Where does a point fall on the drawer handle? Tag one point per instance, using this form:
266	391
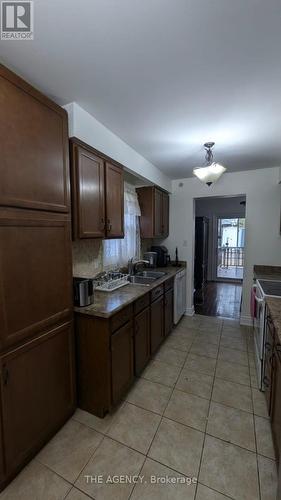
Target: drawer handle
6	375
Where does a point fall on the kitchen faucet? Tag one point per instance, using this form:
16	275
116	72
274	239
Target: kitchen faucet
133	265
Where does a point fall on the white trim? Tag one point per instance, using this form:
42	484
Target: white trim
189	311
246	320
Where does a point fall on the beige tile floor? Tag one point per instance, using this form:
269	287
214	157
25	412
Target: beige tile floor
195	417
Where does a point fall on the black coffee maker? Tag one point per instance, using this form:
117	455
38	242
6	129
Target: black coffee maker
163	258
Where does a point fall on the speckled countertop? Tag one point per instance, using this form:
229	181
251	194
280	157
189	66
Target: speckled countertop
267	272
274	307
106	304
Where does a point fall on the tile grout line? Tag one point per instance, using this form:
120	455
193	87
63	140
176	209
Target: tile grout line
160	421
207	417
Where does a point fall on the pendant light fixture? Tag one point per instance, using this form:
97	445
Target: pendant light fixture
212	171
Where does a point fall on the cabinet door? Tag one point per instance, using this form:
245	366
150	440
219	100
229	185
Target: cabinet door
38	393
122	366
35	274
169	310
34	167
276	404
114	201
158	219
156	324
142	340
2	470
88	194
165	215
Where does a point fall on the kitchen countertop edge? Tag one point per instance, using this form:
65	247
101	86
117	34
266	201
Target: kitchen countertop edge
137	291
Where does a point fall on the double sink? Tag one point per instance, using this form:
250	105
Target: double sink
145	277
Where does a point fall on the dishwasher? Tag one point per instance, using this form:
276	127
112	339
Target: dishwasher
179	295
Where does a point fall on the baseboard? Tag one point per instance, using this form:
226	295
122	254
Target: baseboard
189	311
246	320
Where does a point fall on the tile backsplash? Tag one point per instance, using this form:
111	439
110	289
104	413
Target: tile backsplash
87	257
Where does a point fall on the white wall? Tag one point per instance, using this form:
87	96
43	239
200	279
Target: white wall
86	128
263	241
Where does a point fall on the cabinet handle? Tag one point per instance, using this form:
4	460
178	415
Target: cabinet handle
109	225
102	223
267	345
5	375
278	347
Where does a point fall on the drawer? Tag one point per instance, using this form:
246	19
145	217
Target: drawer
141	303
121	317
157	292
169	283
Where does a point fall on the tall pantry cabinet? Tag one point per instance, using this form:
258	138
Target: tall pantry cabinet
37	384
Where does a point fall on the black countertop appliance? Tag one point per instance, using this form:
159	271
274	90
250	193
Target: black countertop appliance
163	258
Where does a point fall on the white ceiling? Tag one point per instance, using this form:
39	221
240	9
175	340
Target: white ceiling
165	75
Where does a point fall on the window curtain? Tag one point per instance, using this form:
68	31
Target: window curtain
118	252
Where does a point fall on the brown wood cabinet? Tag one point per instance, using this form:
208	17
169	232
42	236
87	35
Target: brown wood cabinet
97	194
122	361
37	385
168	311
114	201
36	274
142	340
34	167
88	194
2	469
276	401
156	324
154	205
110	351
37	393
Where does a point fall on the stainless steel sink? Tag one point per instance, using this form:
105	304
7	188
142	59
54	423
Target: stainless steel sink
141	280
151	274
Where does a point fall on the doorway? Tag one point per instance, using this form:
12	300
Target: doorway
219	255
230	244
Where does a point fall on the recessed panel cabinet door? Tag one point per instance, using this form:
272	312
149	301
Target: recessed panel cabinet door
122	366
34	166
158	220
2	471
169	310
156	324
142	340
114	201
276	404
38	393
89	176
35	274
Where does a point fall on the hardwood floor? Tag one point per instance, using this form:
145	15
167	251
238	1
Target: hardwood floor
221	299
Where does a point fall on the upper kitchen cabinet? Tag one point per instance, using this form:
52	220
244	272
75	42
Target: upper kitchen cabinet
97	194
154	205
114	201
34	167
87	193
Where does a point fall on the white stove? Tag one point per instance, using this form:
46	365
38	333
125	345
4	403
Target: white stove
262	288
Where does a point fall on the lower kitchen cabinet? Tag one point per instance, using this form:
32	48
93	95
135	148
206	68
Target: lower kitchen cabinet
122	361
156	324
142	340
276	402
37	393
168	311
2	471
